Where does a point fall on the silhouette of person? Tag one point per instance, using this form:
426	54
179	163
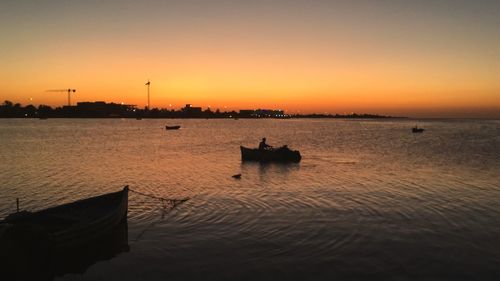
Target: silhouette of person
263	145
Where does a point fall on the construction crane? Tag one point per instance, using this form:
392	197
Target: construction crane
69	91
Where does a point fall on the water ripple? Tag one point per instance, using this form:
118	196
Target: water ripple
368	199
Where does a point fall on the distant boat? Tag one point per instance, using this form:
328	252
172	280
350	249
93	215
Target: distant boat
417	130
138	118
172	127
43	118
282	154
70	225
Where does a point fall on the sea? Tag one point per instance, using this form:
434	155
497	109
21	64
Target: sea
370	200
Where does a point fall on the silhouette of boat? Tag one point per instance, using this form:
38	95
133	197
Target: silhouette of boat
417	130
172	127
138	118
64	239
282	154
74	223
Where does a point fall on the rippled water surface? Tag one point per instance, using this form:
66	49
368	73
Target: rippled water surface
370	200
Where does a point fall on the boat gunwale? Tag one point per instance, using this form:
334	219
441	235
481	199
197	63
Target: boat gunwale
117	212
102	220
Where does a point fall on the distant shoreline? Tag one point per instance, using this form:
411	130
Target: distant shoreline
216	118
234	118
101	109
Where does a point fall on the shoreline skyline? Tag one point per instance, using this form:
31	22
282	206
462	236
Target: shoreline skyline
101	109
429	113
229	113
490	111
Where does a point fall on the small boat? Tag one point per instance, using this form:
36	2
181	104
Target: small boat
172	127
70	225
417	130
282	154
138	118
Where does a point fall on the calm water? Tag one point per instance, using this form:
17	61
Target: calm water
370	200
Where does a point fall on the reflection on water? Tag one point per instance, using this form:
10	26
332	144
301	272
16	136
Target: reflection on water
269	171
34	261
369	200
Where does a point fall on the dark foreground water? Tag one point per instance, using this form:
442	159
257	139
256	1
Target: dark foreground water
370	200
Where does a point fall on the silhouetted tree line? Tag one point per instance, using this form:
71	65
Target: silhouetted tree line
9	109
111	110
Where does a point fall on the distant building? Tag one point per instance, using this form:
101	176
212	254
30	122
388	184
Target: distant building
262	113
269	113
100	108
191	110
247	113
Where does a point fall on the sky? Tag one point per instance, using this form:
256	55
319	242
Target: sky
422	58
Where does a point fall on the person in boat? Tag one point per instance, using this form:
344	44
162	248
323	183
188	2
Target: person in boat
263	145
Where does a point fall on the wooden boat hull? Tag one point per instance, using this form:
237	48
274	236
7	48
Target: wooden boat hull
74	224
282	154
172	127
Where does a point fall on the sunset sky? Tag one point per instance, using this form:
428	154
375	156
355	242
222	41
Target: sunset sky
415	58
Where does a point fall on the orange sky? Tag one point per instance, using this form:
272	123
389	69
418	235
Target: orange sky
329	56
